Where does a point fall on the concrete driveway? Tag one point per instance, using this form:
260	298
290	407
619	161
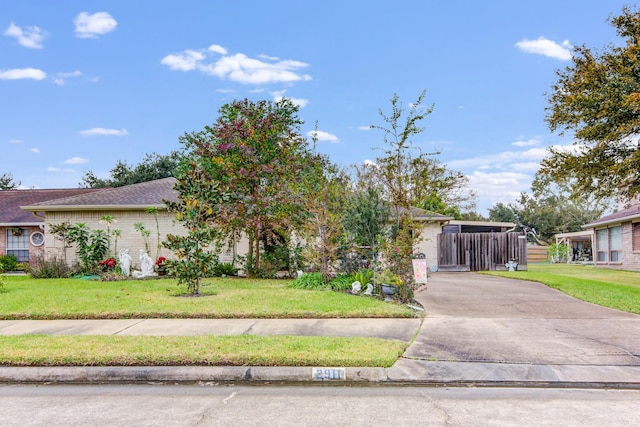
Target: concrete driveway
479	318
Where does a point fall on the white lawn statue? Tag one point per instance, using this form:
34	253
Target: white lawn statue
146	266
125	262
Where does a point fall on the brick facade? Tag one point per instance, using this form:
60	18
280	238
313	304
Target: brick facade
630	257
131	239
35	252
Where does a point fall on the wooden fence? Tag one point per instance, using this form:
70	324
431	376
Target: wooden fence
481	251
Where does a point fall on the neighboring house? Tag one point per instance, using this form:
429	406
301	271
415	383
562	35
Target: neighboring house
580	244
616	239
21	232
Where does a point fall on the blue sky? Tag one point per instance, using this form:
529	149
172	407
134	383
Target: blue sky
86	83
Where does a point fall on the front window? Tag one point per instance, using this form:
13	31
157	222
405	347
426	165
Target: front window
609	243
18	243
602	242
615	243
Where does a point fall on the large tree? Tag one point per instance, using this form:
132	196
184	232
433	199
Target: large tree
256	153
597	98
153	166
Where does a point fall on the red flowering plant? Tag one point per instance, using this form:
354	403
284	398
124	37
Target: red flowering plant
107	264
161	263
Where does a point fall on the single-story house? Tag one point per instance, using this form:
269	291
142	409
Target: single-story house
616	239
128	205
21	232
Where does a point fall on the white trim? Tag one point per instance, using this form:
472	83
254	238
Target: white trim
31	238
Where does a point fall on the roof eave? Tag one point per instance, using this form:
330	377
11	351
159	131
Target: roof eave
611	221
61	208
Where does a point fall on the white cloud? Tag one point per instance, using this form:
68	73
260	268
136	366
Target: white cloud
500	160
23	73
30	37
546	47
76	161
216	48
65	170
61	78
92	26
238	67
498	187
104	131
225	91
34	150
15	141
322	136
527	143
279	95
188	60
364	127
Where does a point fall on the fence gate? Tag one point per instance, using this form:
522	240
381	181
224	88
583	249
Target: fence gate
481	251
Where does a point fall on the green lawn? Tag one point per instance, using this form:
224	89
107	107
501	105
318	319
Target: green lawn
244	350
25	298
616	289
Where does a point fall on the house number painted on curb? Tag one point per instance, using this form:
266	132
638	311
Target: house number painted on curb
329	374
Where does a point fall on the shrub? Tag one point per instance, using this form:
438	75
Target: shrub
22	266
558	253
8	262
225	268
341	283
363	276
50	269
311	281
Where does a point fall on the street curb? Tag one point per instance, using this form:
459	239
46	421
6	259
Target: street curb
180	374
405	372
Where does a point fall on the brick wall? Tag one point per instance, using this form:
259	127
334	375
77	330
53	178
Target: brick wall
35	252
630	258
129	237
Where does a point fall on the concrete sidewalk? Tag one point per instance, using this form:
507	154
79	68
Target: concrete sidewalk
479	330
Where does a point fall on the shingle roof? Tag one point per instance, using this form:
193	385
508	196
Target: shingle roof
145	194
627	214
11	200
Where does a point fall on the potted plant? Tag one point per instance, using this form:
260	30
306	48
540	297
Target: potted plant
161	266
389	283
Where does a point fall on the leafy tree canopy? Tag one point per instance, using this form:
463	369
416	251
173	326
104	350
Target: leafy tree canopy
597	98
153	166
256	153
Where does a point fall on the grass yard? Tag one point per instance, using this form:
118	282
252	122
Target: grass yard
25	298
616	289
245	350
22	297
